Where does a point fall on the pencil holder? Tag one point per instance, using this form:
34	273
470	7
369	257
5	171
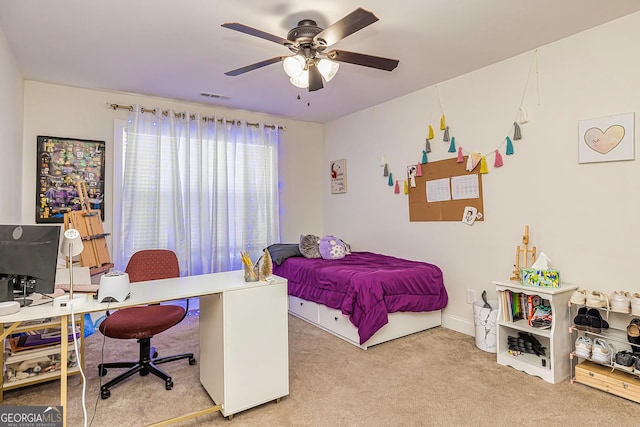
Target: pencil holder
251	274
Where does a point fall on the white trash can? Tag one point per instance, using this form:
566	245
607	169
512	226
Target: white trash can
485	320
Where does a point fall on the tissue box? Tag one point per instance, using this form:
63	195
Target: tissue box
542	278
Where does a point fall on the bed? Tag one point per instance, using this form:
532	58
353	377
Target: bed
365	298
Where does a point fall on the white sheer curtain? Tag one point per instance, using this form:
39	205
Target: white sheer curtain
206	189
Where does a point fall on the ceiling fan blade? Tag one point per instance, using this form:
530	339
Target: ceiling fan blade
255	66
362	59
315	79
258	33
355	21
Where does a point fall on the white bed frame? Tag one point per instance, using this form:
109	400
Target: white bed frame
331	320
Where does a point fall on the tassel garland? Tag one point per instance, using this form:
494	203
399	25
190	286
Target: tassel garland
517	134
430	132
424	157
406	187
397	189
452	146
498	160
445	137
419	170
386	170
460	159
523	116
427	146
443	123
509	150
390	179
483	165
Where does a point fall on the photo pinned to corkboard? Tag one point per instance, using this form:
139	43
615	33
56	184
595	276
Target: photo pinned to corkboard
339	176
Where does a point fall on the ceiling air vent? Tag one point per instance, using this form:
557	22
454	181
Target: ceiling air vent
213	95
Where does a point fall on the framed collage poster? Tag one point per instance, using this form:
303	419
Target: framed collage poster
60	164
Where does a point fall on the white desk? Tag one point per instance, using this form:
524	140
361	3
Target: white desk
243	335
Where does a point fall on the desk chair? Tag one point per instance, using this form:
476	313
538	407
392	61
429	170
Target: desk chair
144	322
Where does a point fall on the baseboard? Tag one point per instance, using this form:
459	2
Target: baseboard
458	324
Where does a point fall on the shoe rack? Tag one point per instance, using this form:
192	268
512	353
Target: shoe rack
554	365
605	376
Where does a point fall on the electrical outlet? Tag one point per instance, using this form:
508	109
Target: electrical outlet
471	296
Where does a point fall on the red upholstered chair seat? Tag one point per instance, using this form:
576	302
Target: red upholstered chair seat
141	322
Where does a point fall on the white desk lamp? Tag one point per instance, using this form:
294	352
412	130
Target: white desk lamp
70	246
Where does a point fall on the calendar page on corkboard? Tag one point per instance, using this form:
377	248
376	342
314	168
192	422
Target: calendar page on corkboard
444	190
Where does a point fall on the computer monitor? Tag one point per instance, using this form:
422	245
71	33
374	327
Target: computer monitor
28	259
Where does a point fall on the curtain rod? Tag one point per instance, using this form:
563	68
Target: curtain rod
192	116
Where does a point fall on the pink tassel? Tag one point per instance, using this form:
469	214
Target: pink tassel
498	160
460	158
419	170
397	190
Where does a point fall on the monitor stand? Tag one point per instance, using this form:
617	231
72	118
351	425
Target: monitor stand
23	300
21	295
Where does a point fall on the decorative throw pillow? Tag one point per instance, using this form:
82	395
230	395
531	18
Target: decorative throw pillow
332	248
281	251
309	246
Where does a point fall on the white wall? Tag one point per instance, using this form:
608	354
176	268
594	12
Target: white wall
583	216
10	134
63	111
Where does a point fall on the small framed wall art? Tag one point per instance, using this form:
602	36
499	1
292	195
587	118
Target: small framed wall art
61	164
606	139
339	176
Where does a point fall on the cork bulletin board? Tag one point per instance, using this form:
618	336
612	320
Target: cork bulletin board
445	172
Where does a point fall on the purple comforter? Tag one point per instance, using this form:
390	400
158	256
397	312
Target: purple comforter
366	286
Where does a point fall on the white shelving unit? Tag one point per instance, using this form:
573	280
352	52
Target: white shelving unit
6	358
554	366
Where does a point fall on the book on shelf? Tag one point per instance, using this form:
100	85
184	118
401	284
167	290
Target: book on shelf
520	306
31	341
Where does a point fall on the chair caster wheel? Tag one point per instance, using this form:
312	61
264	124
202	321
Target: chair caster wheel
192	361
104	394
168	385
102	372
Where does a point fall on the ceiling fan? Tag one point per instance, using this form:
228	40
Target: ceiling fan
311	62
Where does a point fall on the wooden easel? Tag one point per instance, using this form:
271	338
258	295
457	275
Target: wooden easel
526	252
88	223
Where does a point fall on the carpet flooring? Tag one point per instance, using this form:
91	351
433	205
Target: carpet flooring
433	378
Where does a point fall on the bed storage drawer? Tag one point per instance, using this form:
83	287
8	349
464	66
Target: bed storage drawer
303	308
333	320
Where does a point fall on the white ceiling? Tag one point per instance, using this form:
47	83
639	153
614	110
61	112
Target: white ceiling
177	49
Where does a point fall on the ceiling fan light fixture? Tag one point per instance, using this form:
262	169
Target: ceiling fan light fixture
302	81
328	68
294	65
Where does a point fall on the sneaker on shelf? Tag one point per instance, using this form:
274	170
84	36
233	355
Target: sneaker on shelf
602	352
579	297
597	299
625	360
583	347
636	366
635	304
621	302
